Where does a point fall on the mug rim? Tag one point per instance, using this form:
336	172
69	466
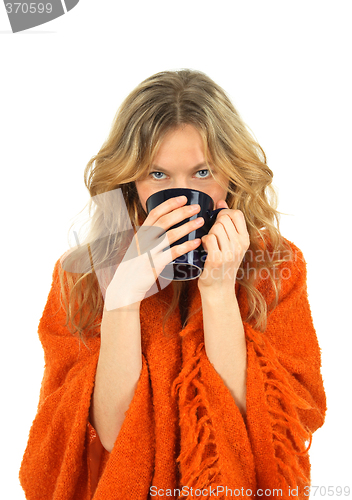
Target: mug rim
178	189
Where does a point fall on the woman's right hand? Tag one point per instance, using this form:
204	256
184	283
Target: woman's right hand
145	258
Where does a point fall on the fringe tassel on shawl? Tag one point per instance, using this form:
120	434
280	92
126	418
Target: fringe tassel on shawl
199	459
289	434
199	472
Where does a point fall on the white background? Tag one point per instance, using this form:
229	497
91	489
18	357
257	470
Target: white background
286	66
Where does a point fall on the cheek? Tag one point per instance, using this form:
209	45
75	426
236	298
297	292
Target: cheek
143	200
218	193
143	194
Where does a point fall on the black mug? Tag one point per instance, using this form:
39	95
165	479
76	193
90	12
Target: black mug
190	265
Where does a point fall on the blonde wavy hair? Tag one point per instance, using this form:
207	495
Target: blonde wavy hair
158	105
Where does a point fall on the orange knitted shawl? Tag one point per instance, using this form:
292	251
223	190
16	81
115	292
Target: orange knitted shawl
183	435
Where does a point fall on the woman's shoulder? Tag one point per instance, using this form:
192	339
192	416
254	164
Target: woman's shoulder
286	262
283	250
295	261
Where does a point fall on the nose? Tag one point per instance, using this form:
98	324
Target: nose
181	182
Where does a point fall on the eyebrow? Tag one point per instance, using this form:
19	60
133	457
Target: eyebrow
200	165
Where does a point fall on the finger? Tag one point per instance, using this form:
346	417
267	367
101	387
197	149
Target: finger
222	204
171	253
222	237
239	221
227	223
211	246
164	208
186	228
174	217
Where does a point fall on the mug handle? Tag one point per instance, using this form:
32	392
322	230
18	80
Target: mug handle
210	219
214	213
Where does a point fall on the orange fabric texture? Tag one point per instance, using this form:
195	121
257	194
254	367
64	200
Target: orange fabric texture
183	435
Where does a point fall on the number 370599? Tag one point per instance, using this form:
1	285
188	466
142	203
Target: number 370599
24	7
327	490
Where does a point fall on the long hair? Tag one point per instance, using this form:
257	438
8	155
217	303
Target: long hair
158	105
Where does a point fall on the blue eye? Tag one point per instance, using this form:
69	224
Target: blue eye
162	173
152	173
204	170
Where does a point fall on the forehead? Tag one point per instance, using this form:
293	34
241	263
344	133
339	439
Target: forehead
184	134
183	145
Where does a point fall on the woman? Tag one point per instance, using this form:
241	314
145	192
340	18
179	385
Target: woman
209	387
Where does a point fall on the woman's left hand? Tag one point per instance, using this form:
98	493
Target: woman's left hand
226	244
